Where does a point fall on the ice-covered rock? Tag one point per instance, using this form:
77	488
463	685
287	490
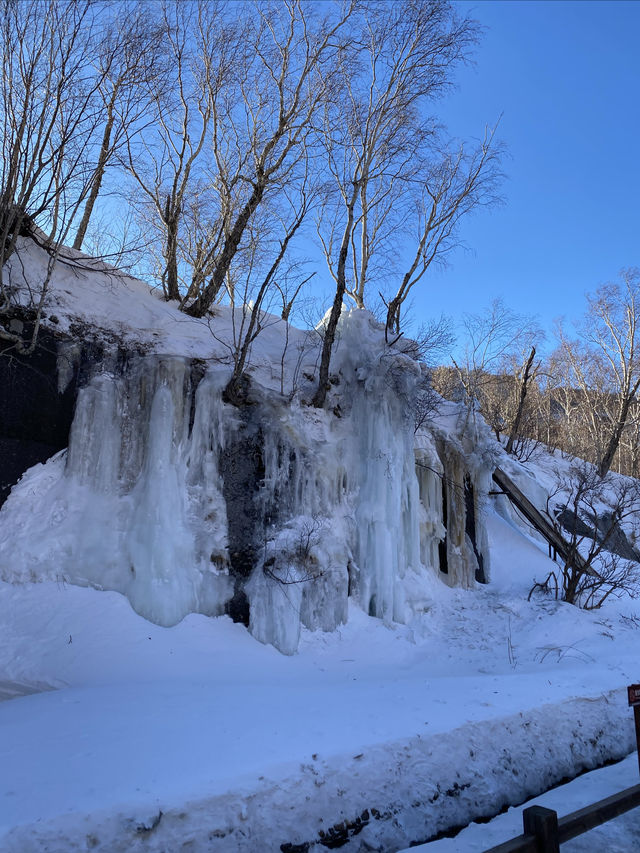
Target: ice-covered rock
273	512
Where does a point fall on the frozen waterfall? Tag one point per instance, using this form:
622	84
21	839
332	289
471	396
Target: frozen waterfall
274	512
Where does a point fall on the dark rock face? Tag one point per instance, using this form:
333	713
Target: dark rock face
35	416
242	469
252	508
16	455
470	526
38	392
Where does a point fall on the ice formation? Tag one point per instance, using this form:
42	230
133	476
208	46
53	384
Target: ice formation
273	512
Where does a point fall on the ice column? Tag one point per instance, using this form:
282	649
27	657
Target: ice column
388	506
159	545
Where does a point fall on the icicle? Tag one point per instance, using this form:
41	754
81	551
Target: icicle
180	501
94	446
159	546
275	611
207	505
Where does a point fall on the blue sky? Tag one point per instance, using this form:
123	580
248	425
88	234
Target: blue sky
566	78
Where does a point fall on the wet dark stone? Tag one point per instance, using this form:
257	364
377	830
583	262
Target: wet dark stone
238	607
35	418
242	470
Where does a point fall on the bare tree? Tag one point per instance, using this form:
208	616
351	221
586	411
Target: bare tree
128	60
601	368
262	123
49	115
629	449
614	328
457	184
379	145
589	512
525	375
163	161
496	340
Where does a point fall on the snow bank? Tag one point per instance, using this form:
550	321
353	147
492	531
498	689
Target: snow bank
617	836
377	796
242	748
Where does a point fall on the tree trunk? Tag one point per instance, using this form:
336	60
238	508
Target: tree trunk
96	183
336	309
203	302
393	316
171	255
524	387
614	441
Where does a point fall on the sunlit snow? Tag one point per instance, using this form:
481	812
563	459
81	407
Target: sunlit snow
408	701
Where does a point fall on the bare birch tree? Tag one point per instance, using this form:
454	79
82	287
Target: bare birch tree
457	183
164	162
380	144
602	366
262	121
49	115
129	59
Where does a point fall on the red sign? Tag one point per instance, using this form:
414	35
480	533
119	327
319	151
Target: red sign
633	691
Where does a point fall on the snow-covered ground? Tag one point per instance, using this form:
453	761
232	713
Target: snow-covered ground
126	736
485	700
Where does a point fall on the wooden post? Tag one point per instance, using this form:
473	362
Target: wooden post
633	692
636	714
543	825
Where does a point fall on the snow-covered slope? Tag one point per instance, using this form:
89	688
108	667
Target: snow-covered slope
417	700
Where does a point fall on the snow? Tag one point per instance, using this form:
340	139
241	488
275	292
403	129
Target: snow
616	836
242	748
183	732
88	294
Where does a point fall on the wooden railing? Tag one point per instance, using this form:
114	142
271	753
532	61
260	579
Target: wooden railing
544	833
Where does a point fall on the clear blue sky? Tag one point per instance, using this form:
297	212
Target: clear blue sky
566	77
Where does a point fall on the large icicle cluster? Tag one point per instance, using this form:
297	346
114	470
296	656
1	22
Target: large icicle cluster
382	471
136	504
273	512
